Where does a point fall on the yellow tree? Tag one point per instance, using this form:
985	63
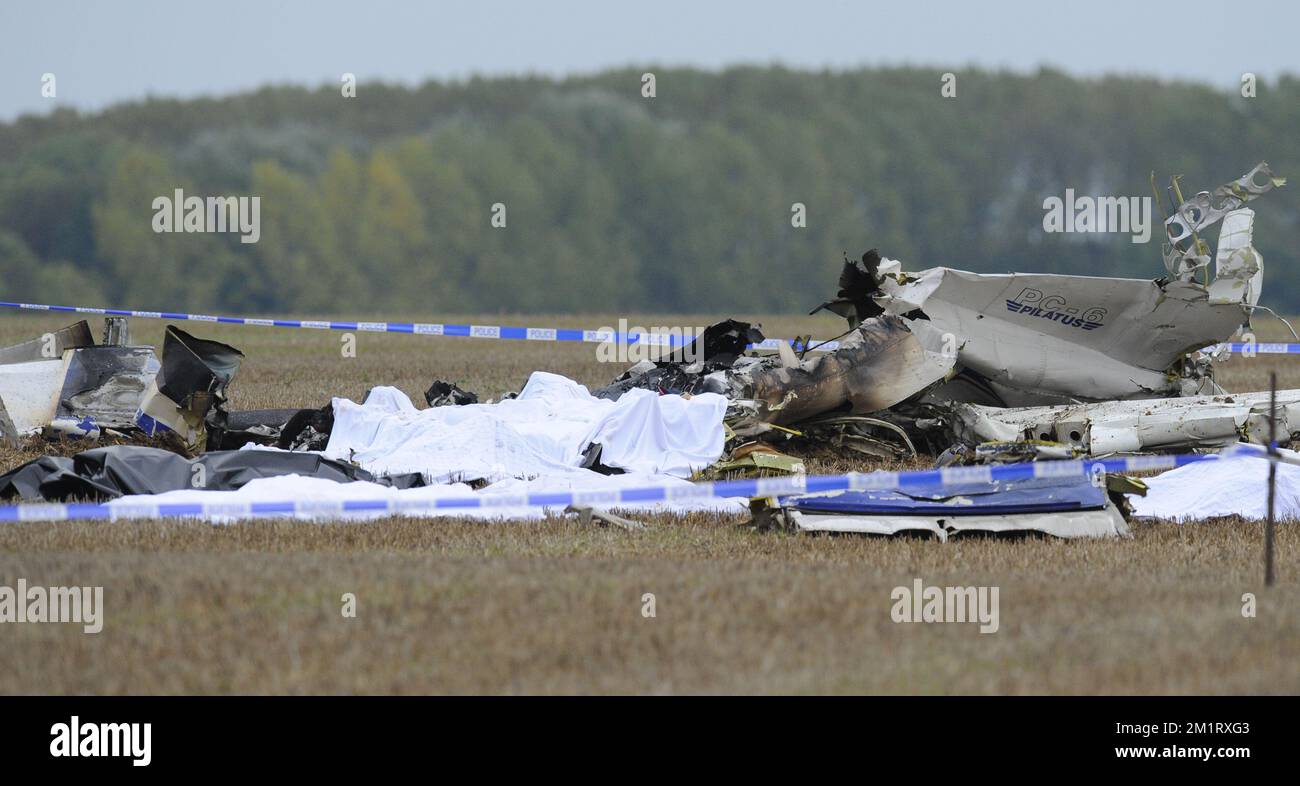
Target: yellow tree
393	242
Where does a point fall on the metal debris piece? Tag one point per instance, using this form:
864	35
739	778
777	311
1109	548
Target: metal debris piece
1193	422
191	384
753	460
870	436
63	383
720	344
29	394
49	346
1047	339
1238	267
443	394
588	515
877	365
858	285
1009	452
233	430
1062	507
1206	209
1023	339
307	429
767	515
8	431
117	332
591	460
102	388
712	357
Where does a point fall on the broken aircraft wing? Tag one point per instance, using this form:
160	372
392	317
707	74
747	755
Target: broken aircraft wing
1041	338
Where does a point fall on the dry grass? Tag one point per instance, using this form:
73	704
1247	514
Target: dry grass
552	607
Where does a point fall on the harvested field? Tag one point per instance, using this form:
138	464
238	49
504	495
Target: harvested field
555	607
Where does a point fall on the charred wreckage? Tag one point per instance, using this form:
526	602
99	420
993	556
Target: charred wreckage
962	367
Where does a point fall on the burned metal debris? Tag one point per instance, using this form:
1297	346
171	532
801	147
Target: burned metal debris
64	383
307	429
442	394
878	364
102	388
945	357
974	367
190	386
699	367
859	284
234	430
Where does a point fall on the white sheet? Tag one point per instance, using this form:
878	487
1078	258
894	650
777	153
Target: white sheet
541	433
1228	487
296	487
529	444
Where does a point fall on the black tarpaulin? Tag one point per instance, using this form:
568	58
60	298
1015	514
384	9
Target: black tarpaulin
119	470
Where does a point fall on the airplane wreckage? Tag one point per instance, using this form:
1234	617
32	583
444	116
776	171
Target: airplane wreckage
960	366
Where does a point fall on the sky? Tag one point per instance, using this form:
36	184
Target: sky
102	53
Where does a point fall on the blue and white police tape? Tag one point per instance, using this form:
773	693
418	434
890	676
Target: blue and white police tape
510	332
416	328
611	498
1246	349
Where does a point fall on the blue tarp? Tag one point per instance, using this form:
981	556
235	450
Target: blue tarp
1031	495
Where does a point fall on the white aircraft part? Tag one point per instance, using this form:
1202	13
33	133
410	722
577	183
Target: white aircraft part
1130	426
1077	337
30	393
1238	267
1102	523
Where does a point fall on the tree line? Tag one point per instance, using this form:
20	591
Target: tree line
735	191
